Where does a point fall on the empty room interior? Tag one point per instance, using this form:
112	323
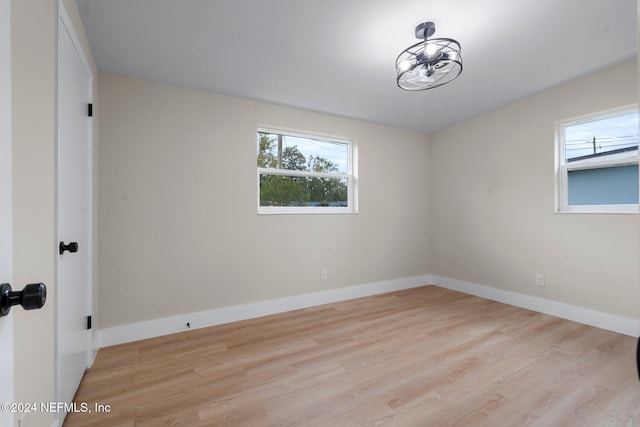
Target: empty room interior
327	213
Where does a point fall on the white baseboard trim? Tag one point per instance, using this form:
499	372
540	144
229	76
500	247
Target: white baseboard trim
611	322
169	325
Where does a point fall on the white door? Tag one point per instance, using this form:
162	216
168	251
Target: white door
73	344
6	323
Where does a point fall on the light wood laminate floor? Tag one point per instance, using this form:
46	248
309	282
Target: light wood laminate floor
420	357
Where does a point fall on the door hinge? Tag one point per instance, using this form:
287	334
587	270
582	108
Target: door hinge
90	110
88	322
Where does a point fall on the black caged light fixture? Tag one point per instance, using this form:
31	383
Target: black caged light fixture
429	63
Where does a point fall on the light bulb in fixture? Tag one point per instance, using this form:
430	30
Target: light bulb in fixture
405	65
430	49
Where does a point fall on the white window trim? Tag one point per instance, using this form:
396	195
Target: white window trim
351	177
562	167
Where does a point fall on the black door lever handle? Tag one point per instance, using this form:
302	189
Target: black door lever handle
71	247
32	297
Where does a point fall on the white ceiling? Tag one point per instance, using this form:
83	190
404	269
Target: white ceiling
338	56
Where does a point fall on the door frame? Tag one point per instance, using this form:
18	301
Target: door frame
6	191
65	24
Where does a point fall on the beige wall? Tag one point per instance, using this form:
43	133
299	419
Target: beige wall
179	231
492	217
33	32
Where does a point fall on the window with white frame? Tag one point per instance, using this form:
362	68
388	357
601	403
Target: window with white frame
597	162
301	173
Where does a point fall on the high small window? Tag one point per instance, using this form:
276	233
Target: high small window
300	173
597	162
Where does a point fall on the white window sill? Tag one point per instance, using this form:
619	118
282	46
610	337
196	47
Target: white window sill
600	209
304	211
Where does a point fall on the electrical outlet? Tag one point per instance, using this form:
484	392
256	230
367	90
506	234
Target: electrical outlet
540	279
323	273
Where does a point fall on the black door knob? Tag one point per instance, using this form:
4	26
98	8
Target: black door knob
71	247
32	297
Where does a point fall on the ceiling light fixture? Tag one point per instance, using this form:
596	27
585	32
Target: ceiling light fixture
429	63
